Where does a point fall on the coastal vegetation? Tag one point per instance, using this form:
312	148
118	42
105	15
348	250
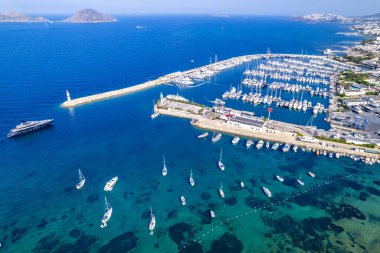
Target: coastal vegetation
359	59
348	76
369	145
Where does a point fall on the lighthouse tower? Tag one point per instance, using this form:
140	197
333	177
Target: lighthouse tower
68	96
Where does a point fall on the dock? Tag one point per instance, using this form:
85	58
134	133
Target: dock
275	131
212	68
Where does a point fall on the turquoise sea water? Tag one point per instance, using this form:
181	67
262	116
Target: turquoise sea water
41	210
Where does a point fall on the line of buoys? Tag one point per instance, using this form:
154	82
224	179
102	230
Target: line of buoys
293	195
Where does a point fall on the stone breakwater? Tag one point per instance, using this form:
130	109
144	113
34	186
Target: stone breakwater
282	137
214	68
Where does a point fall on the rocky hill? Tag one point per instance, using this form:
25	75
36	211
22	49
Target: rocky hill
89	16
12	17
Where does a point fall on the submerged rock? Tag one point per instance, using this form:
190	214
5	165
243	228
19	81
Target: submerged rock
227	243
122	243
205	196
231	201
145	215
345	211
92	198
363	196
172	214
46	244
42	223
76	233
18	233
180	232
194	247
373	191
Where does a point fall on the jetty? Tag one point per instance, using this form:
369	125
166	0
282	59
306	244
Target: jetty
234	122
184	78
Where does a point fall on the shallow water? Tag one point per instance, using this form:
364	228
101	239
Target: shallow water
42	212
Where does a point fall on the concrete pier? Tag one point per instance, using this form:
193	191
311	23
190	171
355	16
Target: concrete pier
214	67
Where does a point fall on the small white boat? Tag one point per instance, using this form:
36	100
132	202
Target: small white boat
235	140
311	174
191	179
202	136
242	184
280	178
82	180
295	148
152	223
212	214
216	138
110	184
107	214
267	144
267	192
220	163
286	148
300	182
260	144
164	169
183	201
330	155
275	146
221	192
249	143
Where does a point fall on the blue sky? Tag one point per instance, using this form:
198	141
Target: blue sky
252	7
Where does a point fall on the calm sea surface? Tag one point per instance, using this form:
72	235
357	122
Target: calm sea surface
41	211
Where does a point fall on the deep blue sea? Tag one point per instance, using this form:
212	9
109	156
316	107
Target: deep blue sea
41	211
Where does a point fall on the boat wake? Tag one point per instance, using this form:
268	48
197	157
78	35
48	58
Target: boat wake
262	208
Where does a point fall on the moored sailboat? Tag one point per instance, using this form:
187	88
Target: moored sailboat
82	180
191	179
220	163
107	215
164	169
221	192
152	223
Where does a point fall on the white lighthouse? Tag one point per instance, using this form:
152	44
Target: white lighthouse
68	96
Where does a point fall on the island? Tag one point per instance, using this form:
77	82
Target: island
16	17
320	17
89	16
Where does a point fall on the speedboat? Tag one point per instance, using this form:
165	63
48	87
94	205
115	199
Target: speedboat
216	138
212	214
235	140
202	136
311	174
249	143
295	148
152	223
260	144
280	178
183	200
82	180
267	144
330	155
164	169
191	179
221	192
275	146
300	182
110	184
107	214
267	192
286	148
242	184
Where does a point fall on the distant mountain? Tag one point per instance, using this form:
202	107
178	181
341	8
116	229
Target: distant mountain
373	16
320	17
13	17
89	16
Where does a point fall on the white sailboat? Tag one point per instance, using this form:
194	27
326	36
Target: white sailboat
164	169
152	223
107	215
221	192
220	163
82	180
191	179
183	200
